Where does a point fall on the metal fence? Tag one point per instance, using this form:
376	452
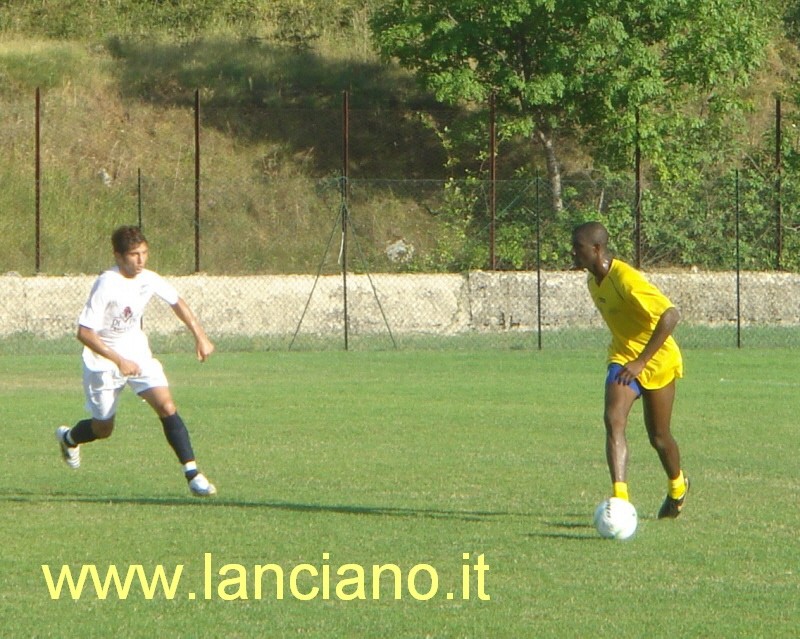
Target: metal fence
285	225
402	263
272	258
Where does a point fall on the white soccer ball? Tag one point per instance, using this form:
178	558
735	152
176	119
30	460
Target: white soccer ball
615	518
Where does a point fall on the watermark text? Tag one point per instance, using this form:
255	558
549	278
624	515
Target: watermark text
302	582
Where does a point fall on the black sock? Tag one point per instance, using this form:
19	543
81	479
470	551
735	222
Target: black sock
178	437
81	433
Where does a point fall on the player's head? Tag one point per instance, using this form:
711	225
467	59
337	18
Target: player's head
589	244
130	250
127	237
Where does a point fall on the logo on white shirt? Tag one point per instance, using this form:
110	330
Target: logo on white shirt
124	322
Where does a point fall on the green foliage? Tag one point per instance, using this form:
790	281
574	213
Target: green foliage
587	66
271	75
665	75
514	246
458	247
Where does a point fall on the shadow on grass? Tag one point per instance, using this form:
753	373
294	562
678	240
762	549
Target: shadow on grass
216	502
577	529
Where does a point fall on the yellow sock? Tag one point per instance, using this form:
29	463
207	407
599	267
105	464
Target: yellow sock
677	486
621	490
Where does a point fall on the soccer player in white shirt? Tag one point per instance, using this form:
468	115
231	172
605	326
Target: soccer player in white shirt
117	353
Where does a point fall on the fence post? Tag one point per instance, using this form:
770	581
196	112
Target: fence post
637	195
778	194
738	269
139	195
538	266
37	182
345	190
196	180
492	180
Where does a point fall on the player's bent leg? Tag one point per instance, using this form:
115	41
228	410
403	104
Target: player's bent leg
160	399
657	419
85	431
618	402
658	416
178	437
101	428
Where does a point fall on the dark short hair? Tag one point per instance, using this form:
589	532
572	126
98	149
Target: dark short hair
127	237
593	232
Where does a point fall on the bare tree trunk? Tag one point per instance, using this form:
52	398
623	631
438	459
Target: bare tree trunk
553	170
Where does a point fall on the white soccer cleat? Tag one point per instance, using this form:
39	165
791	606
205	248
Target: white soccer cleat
201	487
71	454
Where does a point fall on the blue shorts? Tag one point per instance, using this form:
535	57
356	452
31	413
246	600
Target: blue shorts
611	378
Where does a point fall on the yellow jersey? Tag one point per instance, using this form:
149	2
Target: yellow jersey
631	307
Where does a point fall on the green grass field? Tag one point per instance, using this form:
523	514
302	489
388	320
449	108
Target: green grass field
337	459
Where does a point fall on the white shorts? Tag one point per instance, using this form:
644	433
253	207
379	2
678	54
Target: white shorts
102	388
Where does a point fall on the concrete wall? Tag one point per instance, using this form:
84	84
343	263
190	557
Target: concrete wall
444	304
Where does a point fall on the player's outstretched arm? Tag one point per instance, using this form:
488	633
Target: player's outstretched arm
203	346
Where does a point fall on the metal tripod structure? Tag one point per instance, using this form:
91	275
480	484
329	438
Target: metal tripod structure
344	218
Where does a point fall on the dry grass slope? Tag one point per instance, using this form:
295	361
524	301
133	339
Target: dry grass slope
271	152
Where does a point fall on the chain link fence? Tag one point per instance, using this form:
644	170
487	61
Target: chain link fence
270	258
368	278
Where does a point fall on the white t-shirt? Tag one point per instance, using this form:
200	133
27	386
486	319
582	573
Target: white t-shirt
114	311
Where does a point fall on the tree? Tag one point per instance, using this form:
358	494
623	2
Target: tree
582	68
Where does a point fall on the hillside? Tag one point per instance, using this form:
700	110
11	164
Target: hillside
117	143
271	148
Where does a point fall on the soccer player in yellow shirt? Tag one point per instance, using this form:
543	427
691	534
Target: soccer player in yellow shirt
643	360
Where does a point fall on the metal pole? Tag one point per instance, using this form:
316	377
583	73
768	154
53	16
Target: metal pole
738	272
778	194
197	181
538	266
38	183
139	194
637	207
345	188
493	179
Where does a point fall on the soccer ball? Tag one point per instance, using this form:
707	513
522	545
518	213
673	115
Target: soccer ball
615	518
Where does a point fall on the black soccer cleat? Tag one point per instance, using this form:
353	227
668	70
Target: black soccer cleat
671	508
